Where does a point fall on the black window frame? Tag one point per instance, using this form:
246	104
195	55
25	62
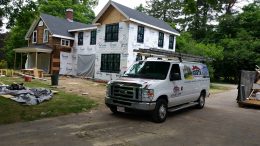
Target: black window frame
111	33
80	38
110	63
161	39
171	42
140	34
93	37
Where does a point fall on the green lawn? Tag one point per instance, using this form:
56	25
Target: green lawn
218	88
61	104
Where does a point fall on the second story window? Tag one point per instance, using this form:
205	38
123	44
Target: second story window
112	32
171	41
45	35
80	38
93	37
65	42
34	37
161	39
140	34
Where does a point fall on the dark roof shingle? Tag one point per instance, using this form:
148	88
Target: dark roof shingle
131	13
60	26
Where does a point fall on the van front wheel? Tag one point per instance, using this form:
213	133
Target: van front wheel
160	112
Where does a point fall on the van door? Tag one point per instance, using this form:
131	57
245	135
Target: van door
175	87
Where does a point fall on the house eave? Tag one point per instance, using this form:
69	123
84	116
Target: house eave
63	37
155	27
82	29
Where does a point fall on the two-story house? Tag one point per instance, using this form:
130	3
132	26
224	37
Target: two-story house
47	37
105	49
119	31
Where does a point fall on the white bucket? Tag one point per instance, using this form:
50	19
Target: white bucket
257	96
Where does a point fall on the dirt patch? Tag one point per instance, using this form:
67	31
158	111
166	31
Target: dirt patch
84	87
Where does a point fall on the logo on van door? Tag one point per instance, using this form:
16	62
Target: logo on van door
176	91
196	70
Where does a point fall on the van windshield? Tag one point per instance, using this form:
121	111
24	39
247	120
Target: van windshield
148	70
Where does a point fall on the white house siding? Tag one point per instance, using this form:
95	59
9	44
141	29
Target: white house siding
120	47
69	60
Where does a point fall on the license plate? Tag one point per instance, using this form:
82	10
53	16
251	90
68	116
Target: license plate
120	109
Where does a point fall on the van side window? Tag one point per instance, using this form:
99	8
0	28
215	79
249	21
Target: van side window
175	73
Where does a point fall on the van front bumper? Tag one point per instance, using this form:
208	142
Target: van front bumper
146	106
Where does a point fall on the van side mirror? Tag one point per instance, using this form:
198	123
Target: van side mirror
175	76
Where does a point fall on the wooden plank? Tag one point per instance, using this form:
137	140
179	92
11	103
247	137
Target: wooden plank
55	60
55	68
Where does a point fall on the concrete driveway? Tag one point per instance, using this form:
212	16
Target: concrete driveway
221	122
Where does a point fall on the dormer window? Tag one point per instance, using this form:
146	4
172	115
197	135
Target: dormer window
65	42
45	35
34	37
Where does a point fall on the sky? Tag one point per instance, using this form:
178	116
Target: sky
129	3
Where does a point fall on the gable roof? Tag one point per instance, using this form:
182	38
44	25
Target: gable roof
139	17
57	26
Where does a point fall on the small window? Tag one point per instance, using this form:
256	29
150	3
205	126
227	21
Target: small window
34	37
161	38
140	34
110	63
175	73
65	42
80	38
112	32
93	36
171	42
45	35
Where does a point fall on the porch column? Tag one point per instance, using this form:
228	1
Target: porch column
36	59
21	65
14	60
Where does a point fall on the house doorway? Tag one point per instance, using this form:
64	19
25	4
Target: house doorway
86	65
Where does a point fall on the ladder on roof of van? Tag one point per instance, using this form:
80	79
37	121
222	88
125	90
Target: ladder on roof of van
154	52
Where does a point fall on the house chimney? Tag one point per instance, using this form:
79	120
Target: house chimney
69	15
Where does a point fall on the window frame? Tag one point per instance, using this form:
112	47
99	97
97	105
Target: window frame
34	37
161	39
140	32
44	34
109	65
171	42
65	42
112	30
93	37
80	34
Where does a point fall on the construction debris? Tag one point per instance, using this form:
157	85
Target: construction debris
28	96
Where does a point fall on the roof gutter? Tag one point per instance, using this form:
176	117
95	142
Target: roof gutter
82	29
155	27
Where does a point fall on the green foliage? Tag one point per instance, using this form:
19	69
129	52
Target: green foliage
3	64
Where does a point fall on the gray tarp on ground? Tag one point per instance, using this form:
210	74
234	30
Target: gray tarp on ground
86	65
28	96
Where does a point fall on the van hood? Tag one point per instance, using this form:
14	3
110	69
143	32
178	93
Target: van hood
144	83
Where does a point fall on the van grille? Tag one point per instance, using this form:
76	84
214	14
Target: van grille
125	91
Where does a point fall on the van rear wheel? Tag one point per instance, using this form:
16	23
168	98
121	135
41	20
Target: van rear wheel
160	112
201	101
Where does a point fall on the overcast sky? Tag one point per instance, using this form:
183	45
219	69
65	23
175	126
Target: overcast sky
128	3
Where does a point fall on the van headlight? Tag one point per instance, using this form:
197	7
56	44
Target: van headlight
108	92
148	94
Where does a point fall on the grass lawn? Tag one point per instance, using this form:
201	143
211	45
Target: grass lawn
218	88
61	104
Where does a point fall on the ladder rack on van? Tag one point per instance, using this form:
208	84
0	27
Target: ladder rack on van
153	52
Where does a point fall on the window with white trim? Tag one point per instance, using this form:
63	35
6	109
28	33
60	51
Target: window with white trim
65	42
45	35
34	37
160	40
171	41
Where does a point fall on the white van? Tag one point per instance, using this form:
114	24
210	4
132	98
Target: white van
159	87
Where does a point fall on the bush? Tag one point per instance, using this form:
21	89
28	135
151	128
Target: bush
3	64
